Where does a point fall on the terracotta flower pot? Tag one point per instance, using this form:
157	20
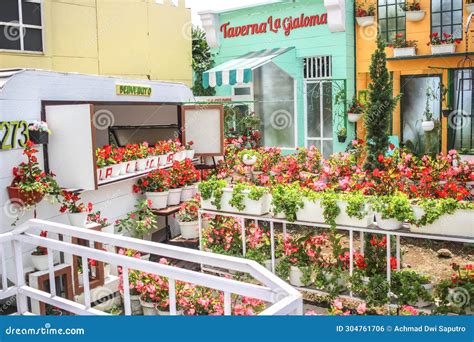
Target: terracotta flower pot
23	198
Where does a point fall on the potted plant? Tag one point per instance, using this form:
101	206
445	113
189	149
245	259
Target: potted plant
155	186
77	213
413	11
223	236
402	47
139	222
212	192
133	281
92	265
179	150
189	150
428	123
187	218
142	156
249	157
188	177
176	183
104	223
108	163
342	135
162	149
444	44
470	6
392	211
39	132
39	257
259	245
411	288
286	200
356	110
365	14
249	199
30	184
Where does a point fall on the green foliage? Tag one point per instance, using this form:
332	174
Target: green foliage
287	200
408	287
381	104
330	208
139	222
213	189
393	207
237	200
202	61
356	205
435	208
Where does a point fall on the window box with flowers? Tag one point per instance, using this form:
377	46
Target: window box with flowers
30	184
356	110
39	132
444	44
470	6
109	161
187	218
365	14
155	186
39	257
402	47
249	199
413	11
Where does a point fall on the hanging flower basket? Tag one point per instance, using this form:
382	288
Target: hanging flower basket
427	126
415	15
365	21
341	138
39	138
354	117
24	198
470	8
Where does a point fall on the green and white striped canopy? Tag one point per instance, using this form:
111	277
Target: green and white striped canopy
239	70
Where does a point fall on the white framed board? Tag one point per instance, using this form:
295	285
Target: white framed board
204	126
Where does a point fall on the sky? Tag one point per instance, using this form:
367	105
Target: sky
216	5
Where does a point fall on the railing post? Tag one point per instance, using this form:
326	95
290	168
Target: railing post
126	291
227	304
4	268
172	296
21	301
87	289
272	245
52	278
244	243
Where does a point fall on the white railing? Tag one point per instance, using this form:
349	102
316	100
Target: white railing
282	299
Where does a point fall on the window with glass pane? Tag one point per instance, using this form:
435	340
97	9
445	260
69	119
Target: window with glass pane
21	25
446	17
275	105
391	18
460	121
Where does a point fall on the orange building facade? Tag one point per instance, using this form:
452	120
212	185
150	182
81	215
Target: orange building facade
441	83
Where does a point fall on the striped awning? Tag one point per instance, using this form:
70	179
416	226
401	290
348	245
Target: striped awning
239	70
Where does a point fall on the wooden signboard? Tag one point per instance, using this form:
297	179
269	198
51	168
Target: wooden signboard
204	126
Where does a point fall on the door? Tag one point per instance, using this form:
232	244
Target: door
319	116
420	94
71	147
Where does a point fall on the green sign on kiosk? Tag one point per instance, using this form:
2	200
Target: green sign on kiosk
133	90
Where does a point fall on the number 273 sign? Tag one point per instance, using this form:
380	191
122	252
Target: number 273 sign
13	134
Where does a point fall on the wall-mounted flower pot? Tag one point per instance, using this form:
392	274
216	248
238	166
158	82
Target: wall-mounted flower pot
39	138
427	126
404	52
365	21
23	198
354	117
443	49
341	138
415	15
40	262
470	8
78	219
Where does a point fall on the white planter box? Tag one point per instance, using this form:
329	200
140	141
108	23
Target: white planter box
131	166
415	15
443	49
388	224
365	21
460	224
404	52
189	230
313	212
142	164
470	8
179	156
123	168
159	200
260	207
189	154
174	197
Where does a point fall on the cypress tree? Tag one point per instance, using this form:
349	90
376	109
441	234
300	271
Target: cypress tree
381	104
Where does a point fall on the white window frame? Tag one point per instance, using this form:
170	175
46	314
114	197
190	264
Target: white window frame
321	72
22	29
321	139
